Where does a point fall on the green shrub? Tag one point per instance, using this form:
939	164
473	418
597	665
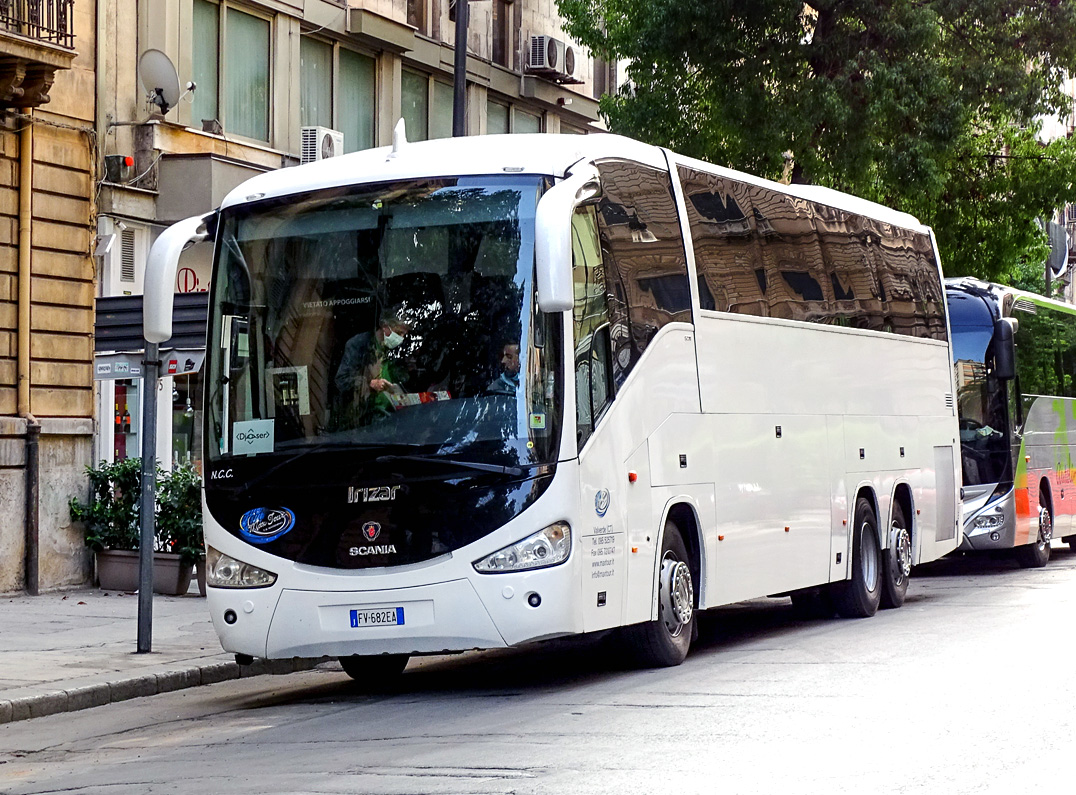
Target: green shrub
179	512
111	517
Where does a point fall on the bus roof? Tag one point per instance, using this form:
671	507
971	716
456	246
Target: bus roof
540	153
999	292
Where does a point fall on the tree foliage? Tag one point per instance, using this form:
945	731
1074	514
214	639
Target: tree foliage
928	106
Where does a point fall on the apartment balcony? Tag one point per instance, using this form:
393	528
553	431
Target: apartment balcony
36	39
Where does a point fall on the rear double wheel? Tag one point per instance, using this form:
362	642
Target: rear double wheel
897	560
860	596
665	642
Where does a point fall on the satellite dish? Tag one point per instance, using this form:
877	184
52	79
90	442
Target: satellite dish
159	79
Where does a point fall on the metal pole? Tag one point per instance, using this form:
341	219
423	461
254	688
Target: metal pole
33	491
150	370
459	79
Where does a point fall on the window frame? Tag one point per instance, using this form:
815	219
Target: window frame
336	48
265	15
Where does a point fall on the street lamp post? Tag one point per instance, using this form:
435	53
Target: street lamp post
459	82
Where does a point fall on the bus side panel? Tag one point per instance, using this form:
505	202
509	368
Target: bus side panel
1045	451
839	511
773	504
662	384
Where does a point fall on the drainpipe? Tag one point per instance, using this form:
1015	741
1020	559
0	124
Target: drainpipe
33	427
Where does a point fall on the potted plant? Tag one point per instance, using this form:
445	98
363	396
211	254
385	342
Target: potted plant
111	519
179	520
112	525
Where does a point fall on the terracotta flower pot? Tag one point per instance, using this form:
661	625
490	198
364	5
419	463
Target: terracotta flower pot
117	570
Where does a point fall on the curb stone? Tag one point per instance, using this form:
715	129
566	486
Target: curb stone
79	698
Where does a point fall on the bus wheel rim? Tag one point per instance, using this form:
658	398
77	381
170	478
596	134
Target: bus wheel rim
868	556
1046	526
677	595
901	541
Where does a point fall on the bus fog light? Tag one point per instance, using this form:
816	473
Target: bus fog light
989	521
548	547
995	536
224	571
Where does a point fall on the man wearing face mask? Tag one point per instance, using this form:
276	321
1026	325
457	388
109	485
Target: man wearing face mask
367	370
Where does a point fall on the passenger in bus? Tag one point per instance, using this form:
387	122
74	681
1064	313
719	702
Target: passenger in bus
368	371
508	381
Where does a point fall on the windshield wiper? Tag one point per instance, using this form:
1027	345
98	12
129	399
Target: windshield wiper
500	469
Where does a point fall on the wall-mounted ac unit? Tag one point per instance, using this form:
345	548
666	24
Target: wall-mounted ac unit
123	259
320	143
551	58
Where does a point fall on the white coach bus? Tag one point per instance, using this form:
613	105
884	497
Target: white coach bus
471	393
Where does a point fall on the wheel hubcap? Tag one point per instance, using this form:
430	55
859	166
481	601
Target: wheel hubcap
900	541
868	557
1046	526
677	594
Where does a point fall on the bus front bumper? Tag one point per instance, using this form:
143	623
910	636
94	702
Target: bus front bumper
461	614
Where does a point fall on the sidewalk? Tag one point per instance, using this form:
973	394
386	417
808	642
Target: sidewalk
71	650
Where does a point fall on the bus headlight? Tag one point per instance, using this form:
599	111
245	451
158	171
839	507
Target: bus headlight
548	547
224	571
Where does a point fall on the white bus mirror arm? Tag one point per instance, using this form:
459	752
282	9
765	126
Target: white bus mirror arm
553	236
160	284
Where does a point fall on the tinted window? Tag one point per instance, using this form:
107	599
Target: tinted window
643	254
762	252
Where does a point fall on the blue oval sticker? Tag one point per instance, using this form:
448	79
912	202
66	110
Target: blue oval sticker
262	525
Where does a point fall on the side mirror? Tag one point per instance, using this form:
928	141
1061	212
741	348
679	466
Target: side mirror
1004	349
553	237
160	284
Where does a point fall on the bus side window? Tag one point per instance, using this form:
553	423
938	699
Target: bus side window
590	324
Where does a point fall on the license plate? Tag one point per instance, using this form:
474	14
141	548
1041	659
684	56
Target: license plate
386	617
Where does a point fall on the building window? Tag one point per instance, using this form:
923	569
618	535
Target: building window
353	112
505	32
415	100
315	83
355	116
524	122
604	78
204	67
502	118
234	89
426	106
496	118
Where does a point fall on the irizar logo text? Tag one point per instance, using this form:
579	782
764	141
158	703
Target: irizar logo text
372	494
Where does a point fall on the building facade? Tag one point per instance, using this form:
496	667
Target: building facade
261	85
48	156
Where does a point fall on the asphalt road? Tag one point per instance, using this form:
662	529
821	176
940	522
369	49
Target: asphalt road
966	689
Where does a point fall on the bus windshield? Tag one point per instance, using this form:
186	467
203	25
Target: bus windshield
982	398
397	315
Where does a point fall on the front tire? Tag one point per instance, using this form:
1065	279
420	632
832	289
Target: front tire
860	596
665	642
1037	554
374	671
897	561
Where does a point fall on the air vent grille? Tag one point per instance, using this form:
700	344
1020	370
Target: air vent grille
127	256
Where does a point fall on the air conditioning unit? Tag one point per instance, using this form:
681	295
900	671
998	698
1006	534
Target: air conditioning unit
320	143
551	58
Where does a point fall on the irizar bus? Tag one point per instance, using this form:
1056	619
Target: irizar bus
1014	354
471	393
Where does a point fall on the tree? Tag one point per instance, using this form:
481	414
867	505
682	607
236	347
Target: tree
925	105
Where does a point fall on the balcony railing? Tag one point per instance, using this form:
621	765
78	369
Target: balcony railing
42	20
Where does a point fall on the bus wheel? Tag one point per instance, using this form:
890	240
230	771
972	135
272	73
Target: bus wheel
897	561
374	670
860	596
663	643
1035	556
